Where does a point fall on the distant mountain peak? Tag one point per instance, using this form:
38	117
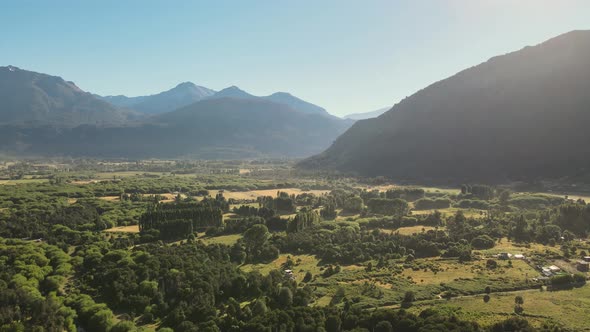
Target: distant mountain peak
232	92
281	93
233	88
32	98
183	94
186	84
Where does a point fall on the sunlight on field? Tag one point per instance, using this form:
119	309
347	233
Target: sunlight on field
110	198
223	239
449	191
451	270
469	213
124	229
411	230
22	181
569	307
253	194
303	263
515	248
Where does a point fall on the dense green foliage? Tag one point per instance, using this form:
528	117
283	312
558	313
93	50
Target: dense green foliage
197	262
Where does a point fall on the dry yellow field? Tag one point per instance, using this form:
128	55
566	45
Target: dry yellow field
223	239
123	229
411	230
253	194
469	213
110	198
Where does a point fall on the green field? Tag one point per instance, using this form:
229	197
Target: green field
568	307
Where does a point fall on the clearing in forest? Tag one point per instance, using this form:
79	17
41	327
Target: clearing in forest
253	194
123	229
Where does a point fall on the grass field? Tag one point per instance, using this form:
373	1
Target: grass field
110	198
514	248
223	239
303	264
22	181
452	272
568	307
411	230
469	213
253	194
123	229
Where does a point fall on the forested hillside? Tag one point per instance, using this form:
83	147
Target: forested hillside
521	115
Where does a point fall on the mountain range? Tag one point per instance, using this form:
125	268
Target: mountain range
523	115
366	115
181	95
42	114
30	99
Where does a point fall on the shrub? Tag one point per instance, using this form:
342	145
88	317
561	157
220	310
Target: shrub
483	242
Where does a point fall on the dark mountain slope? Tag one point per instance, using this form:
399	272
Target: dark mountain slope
30	98
521	115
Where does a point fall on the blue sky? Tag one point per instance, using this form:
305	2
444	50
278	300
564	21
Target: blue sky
347	56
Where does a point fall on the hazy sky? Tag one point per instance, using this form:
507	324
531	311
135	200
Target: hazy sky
347	56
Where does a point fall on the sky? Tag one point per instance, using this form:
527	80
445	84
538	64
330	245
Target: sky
346	56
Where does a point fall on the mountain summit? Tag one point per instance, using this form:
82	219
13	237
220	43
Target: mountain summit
520	115
181	95
30	98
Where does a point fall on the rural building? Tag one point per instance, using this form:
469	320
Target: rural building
546	271
554	269
289	274
518	256
587	258
504	255
583	266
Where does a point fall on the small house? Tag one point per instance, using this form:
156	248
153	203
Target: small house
554	269
583	266
504	255
546	271
587	258
518	256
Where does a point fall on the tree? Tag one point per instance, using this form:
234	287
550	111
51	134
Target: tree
518	302
483	242
256	236
353	204
285	298
504	196
124	326
409	297
333	323
383	326
101	321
